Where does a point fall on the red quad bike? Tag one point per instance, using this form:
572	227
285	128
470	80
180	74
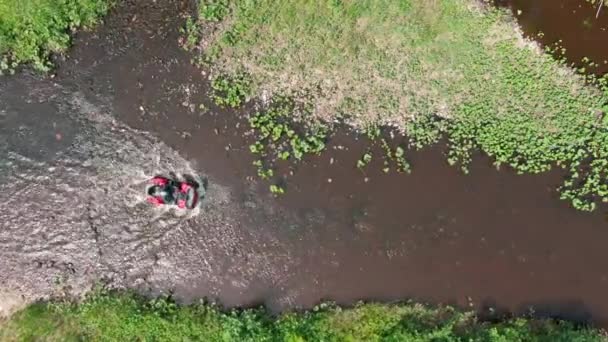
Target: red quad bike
165	191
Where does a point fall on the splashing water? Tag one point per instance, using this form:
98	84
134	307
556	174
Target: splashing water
83	210
73	211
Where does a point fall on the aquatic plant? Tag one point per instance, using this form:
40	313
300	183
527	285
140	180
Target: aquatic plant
365	159
276	189
397	156
231	91
262	172
402	164
425	130
279	138
373	132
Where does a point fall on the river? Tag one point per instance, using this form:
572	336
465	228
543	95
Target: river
124	106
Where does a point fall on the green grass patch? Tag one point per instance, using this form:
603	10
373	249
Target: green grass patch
432	68
230	91
127	317
31	30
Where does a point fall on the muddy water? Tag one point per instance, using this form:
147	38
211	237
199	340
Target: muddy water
74	211
581	27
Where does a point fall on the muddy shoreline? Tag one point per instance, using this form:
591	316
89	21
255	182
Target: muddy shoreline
487	240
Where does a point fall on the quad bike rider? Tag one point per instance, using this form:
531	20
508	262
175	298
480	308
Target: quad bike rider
165	191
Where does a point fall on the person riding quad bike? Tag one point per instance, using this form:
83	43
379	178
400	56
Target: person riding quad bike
163	190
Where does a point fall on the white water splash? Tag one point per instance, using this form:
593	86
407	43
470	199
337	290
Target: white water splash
82	216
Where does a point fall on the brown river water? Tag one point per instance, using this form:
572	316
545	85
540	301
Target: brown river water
120	109
578	26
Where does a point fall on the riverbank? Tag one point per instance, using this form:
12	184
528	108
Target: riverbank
126	317
428	68
579	39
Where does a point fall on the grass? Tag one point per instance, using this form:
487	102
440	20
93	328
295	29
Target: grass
127	317
431	68
31	30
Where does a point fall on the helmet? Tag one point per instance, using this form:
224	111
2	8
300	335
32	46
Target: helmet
159	191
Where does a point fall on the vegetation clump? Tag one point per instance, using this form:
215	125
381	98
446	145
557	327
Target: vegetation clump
127	317
31	30
452	68
391	156
230	91
279	138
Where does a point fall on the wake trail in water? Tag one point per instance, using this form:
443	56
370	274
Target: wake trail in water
79	215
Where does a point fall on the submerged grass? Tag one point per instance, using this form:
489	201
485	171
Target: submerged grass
30	30
127	317
430	68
